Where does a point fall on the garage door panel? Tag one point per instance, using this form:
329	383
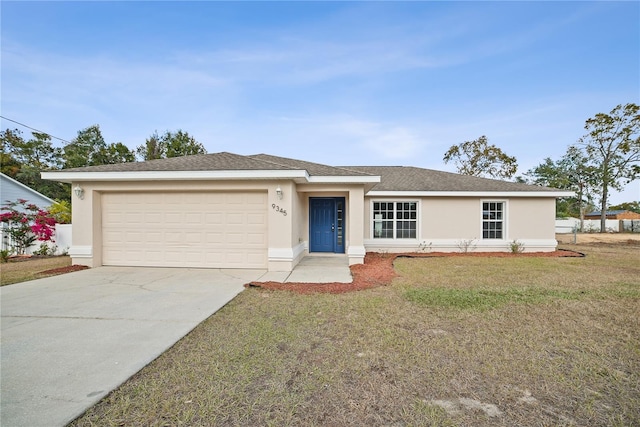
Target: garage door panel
212	230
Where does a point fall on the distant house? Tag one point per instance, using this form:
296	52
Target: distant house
615	214
12	190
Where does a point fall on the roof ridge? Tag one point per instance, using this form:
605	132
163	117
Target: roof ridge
302	162
254	157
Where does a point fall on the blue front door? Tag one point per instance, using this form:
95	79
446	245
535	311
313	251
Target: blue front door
326	224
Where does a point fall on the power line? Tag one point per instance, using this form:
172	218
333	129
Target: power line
39	131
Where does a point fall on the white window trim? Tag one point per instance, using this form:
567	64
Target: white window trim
394	238
505	217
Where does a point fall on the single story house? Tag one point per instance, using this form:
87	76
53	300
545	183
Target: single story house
226	210
12	190
614	214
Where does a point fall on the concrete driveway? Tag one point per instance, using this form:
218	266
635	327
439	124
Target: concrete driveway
69	340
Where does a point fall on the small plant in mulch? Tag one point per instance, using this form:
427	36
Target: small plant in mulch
378	270
516	246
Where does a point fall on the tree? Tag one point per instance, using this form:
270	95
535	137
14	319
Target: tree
90	149
170	144
8	140
612	144
478	158
24	161
85	149
571	172
152	149
117	152
182	144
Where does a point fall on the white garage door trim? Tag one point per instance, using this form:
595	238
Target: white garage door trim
185	229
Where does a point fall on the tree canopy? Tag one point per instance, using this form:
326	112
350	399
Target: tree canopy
24	160
571	172
478	158
90	149
170	144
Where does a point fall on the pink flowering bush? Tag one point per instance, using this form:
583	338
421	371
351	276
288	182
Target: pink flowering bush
26	224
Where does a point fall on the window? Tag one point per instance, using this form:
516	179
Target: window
492	220
395	220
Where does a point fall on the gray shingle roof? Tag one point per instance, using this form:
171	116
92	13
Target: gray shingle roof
408	178
314	169
393	178
199	162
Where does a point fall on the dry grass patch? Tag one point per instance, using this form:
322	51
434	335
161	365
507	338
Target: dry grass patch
30	268
560	347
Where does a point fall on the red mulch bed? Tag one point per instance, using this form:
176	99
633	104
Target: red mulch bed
378	270
62	270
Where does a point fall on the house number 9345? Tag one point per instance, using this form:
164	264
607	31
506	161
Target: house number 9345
278	209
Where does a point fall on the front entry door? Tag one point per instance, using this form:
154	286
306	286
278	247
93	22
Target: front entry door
326	224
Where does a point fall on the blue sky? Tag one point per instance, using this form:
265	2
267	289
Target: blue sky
341	83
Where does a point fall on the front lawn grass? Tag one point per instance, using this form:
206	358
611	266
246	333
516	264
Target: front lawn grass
452	341
21	271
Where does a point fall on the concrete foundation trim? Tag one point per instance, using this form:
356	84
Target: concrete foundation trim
464	245
356	254
76	251
285	259
285	254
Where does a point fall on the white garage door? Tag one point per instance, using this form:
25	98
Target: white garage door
202	230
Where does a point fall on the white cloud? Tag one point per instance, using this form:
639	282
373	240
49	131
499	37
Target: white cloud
386	141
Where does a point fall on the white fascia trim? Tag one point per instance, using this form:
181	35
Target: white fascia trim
489	194
343	179
63	176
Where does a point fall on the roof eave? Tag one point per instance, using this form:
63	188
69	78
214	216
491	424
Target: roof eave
65	176
297	175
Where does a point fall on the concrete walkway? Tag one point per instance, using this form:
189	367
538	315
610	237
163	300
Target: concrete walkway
69	340
315	269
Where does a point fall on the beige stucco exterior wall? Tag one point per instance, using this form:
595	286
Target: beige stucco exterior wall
448	217
448	224
444	222
288	234
532	218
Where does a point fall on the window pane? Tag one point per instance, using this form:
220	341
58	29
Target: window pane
492	220
405	224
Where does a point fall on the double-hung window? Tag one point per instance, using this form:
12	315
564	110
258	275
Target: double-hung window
492	220
395	220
